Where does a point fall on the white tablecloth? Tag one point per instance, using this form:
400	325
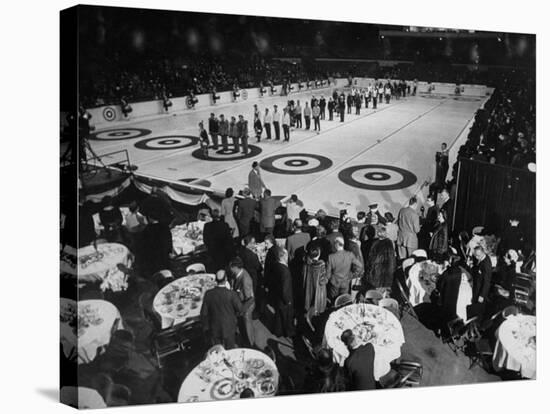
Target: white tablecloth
81	397
99	265
516	348
182	299
387	334
203	381
187	237
89	329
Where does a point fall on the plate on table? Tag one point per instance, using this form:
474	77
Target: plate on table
267	387
255	363
222	389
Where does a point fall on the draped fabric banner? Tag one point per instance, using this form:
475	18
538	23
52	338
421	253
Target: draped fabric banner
489	195
175	195
113	192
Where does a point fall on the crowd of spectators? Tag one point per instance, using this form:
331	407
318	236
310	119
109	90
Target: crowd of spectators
504	131
152	79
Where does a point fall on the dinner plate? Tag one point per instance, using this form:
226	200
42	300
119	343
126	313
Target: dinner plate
267	387
222	389
255	363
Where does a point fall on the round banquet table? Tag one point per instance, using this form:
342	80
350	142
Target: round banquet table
516	348
187	238
88	332
182	299
81	397
100	265
203	381
386	334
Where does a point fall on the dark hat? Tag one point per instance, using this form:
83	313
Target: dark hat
373	206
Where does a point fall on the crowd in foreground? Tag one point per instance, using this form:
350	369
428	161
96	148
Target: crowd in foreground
313	265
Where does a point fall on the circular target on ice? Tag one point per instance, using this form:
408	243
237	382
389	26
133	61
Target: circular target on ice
294	164
377	177
169	142
119	134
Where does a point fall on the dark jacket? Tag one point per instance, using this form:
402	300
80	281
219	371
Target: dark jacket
481	274
359	367
245	213
218	241
212	125
156	246
251	263
283	285
439	243
219	312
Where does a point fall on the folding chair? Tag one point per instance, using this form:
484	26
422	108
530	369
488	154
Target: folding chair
404	374
195	268
343	300
390	304
406	305
373	297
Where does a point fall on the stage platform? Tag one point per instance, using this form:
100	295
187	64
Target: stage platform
383	156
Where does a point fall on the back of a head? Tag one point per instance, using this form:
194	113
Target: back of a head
324	358
247	393
347	337
298	224
215	214
389	217
236	262
270	238
314	253
221	277
412	201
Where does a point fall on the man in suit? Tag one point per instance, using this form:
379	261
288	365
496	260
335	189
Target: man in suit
408	222
320	242
268	205
277	123
267	123
482	272
342	266
359	365
283	296
269	267
297	242
255	182
447	204
252	265
223	129
213	130
242	132
245	289
334	233
218	241
219	312
244	212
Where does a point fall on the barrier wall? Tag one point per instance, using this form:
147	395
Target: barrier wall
111	115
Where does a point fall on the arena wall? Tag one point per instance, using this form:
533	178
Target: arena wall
112	116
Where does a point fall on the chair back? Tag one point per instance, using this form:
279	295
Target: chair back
390	304
373	297
343	300
509	311
195	268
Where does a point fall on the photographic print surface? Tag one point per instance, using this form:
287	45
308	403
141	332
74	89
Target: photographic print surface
260	206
